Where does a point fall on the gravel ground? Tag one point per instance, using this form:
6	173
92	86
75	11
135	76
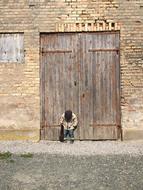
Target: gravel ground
88	165
78	148
69	172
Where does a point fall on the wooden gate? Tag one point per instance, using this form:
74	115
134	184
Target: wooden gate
80	71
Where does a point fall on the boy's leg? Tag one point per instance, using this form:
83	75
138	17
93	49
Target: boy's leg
65	134
71	134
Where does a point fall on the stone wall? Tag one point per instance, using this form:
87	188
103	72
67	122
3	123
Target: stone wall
20	83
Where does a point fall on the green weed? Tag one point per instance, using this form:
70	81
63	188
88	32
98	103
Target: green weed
28	155
5	155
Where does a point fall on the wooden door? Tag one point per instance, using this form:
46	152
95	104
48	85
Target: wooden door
80	71
99	86
60	86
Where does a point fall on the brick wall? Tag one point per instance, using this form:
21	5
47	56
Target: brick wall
20	83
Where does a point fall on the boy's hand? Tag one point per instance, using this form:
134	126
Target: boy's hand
75	127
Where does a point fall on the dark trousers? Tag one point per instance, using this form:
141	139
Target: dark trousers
69	133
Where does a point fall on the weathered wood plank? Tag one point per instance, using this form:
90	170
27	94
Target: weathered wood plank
12	48
57	51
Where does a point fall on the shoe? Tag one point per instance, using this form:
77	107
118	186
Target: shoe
71	141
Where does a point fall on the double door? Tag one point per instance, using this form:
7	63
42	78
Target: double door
80	71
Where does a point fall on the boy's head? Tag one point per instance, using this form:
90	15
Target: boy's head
68	115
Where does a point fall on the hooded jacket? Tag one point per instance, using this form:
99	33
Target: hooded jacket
71	124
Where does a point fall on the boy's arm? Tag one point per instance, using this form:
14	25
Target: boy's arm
75	121
62	119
